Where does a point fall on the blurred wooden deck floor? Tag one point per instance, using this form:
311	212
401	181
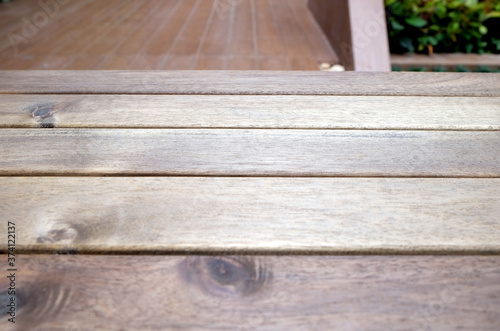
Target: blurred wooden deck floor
162	34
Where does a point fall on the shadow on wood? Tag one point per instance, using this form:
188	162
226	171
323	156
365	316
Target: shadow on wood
357	31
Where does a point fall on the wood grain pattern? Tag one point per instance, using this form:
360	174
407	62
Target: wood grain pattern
257	82
160	34
249	152
245	111
264	293
272	215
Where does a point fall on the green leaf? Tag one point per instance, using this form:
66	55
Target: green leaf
454	27
416	21
432	40
397	26
406	43
440	10
455	4
496	42
472	4
468	48
483	29
492	14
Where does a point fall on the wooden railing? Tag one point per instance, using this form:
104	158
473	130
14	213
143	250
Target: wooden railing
357	30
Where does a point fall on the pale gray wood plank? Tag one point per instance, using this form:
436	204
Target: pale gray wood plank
245	111
252	215
251	82
249	152
447	59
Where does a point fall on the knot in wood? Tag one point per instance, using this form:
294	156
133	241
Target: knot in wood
226	276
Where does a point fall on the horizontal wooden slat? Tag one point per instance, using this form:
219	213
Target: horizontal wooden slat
250	82
249	152
255	292
451	59
285	215
244	111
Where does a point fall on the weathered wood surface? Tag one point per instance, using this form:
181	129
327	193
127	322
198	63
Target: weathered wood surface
250	82
249	111
231	174
272	215
253	292
249	152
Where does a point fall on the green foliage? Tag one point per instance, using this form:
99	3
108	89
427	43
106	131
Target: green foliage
443	26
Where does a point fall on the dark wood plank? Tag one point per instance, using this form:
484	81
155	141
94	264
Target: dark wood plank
255	152
254	292
273	215
236	82
249	111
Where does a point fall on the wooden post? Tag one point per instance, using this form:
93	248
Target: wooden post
357	30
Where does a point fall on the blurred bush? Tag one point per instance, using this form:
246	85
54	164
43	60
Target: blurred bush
443	26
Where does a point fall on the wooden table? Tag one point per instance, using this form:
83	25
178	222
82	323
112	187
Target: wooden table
251	200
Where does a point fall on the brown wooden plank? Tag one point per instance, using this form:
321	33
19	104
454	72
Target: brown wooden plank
255	292
270	44
49	16
60	42
236	82
242	49
165	38
106	19
254	152
216	38
193	32
245	111
128	27
272	215
210	63
136	43
293	37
